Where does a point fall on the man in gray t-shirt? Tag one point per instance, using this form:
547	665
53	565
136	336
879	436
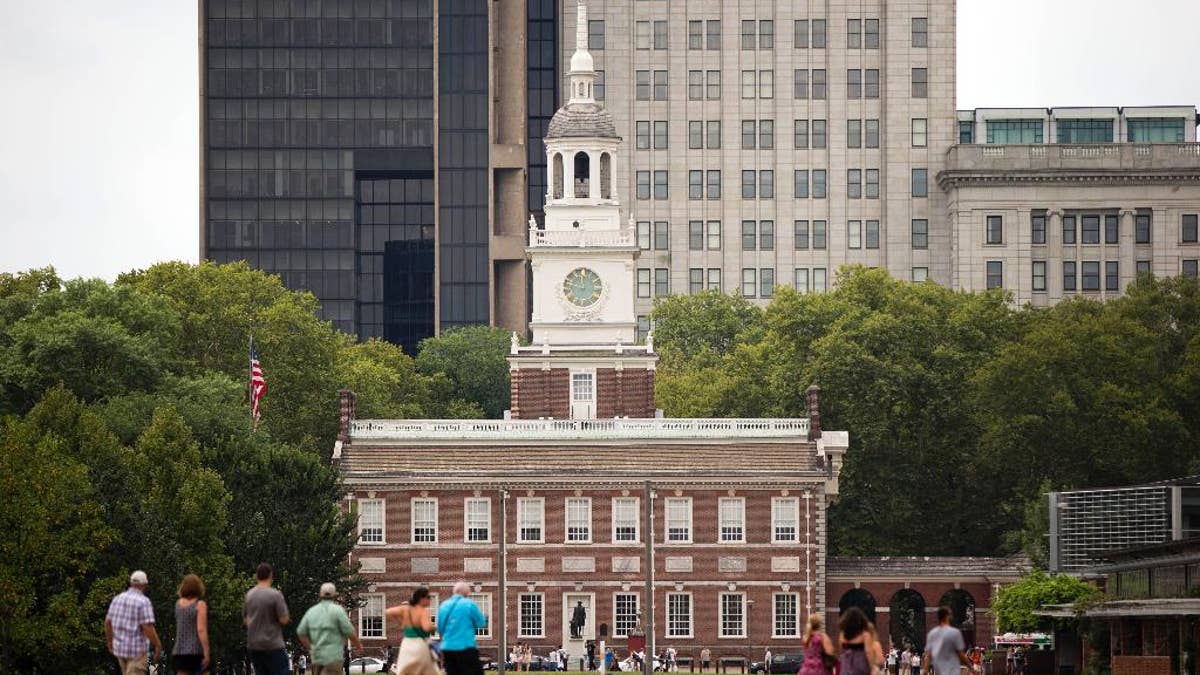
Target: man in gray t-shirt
944	647
265	613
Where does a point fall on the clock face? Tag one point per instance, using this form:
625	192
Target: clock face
582	287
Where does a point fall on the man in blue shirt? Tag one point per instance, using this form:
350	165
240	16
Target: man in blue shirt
458	619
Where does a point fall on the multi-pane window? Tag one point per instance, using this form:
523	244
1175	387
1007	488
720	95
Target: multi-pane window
920	182
1069	275
642	89
872	234
853	133
749	134
766	235
1014	132
695	35
800	83
800	134
800	33
641	35
696	135
1189	228
1156	130
1037	227
643	184
712	37
871	33
641	135
1089	229
1085	131
660	184
786	615
695	184
625	614
766	34
596	34
800	183
733	615
818	183
370	616
530	615
749	184
625	519
695	235
1039	275
871	129
484	602
871	83
732	514
995	230
920	274
679	519
662	234
853	83
1091	275
920	31
531	519
749	83
598	88
920	83
819	279
966	133
766	134
661	134
854	33
766	282
643	234
478	514
766	184
800	279
819	135
660	85
817	79
748	34
660	35
854	234
785	519
995	274
818	235
1142	267
662	282
1188	268
370	521
920	132
712	84
1112	275
872	191
1112	228
1141	227
714	278
679	615
424	520
579	519
854	183
714	184
695	280
1068	229
920	233
713	132
643	323
818	34
749	235
695	85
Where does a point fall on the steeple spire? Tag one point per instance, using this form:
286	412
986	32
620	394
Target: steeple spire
583	69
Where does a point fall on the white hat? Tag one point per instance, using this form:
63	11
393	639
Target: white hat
328	590
138	578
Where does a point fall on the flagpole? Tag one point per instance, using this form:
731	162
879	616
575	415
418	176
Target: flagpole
250	376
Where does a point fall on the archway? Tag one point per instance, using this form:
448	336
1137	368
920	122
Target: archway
860	598
962	612
557	177
907	618
606	176
583	165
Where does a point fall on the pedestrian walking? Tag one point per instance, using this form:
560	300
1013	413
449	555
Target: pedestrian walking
914	663
265	613
323	631
906	662
767	660
191	653
705	658
819	656
129	628
944	647
458	620
861	652
416	625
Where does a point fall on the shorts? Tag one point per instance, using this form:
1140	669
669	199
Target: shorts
189	662
138	665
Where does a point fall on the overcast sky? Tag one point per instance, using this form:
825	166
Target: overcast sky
98	108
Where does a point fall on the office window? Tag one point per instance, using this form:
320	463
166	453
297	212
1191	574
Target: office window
1014	132
1142	267
818	84
713	132
819	279
660	184
679	615
695	85
748	34
642	85
643	324
966	133
1068	229
766	34
695	235
920	182
679	519
800	279
1039	275
766	134
854	183
1091	275
579	519
662	235
800	183
732	514
766	184
660	35
749	184
1189	267
1037	227
695	184
1090	229
995	230
712	79
714	278
818	34
733	615
818	235
853	133
920	82
478	514
800	235
749	83
530	619
424	520
598	87
871	133
766	235
695	35
695	135
854	234
800	134
625	519
766	282
854	33
1188	228
749	235
749	282
1156	130
1069	275
819	136
660	85
920	233
643	184
1141	227
785	619
749	134
872	191
920	31
662	282
1112	275
920	274
695	280
661	135
712	34
370	521
531	519
995	274
800	83
641	35
714	183
871	83
596	35
853	83
871	33
785	519
714	235
641	132
1112	228
920	132
625	614
370	616
800	33
818	183
1085	131
643	234
872	234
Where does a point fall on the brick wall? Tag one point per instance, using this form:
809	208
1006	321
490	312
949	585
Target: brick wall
1141	665
546	393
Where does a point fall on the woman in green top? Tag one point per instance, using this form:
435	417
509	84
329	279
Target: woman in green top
416	625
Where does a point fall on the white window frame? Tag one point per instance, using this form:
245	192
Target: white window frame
637	525
616	625
721	634
368	600
484	602
468	524
691	615
523	504
521	633
583	375
777	506
434	602
687	503
382	503
413	520
775	616
567	525
739	522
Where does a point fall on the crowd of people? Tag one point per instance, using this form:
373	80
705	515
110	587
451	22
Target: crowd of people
858	650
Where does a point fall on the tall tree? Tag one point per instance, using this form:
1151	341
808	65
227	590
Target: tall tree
475	360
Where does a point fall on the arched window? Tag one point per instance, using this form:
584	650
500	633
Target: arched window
907	619
582	166
860	598
557	178
962	612
606	176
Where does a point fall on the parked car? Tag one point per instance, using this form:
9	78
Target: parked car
781	664
366	664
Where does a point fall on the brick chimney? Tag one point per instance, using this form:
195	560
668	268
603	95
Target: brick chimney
347	401
814	412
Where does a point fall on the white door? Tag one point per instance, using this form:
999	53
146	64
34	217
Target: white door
583	395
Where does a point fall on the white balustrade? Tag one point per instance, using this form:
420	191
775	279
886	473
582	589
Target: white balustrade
590	430
623	237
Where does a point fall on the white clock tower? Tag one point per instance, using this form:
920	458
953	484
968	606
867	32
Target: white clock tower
583	259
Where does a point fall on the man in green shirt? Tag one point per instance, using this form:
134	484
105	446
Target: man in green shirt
323	632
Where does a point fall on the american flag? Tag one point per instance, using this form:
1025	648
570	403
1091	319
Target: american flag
258	383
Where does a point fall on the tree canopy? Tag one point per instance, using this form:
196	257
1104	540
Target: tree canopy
1014	605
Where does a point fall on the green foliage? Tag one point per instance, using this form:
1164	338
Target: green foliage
1014	605
686	325
475	361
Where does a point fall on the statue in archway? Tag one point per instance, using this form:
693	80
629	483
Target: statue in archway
578	620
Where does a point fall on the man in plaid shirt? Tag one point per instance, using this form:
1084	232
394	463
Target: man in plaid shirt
128	626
